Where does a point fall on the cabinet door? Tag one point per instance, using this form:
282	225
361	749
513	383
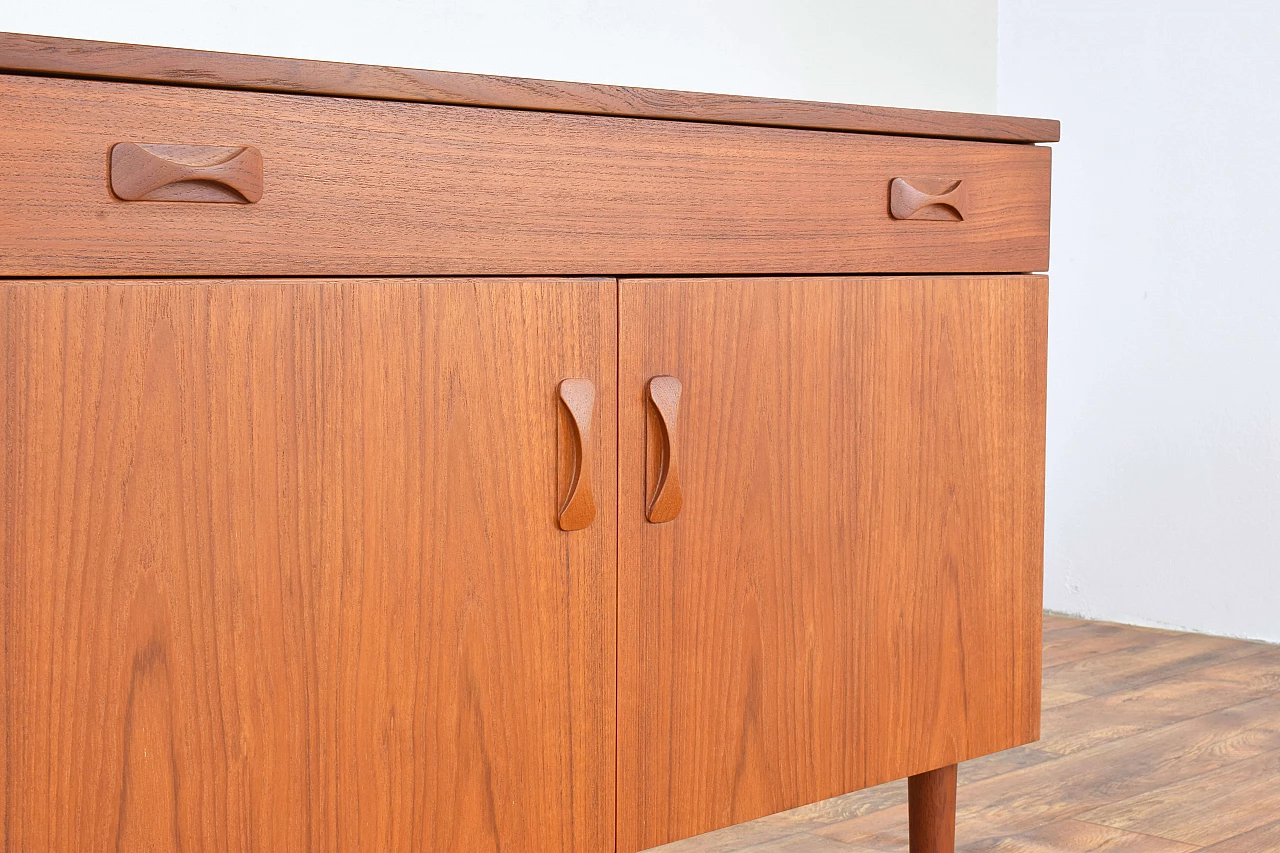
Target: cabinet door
282	570
851	590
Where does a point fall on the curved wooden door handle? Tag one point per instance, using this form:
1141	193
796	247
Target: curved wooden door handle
579	509
207	173
928	198
664	395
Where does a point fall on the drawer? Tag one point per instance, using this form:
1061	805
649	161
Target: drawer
360	187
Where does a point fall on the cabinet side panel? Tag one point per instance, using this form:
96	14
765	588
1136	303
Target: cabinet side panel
282	571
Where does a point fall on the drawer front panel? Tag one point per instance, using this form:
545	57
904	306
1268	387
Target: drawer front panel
351	187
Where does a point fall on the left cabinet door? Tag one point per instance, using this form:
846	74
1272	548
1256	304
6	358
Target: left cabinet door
282	570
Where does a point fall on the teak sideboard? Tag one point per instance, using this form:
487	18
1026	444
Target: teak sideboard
411	461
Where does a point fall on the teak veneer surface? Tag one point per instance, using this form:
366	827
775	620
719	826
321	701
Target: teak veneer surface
281	570
136	63
377	188
851	591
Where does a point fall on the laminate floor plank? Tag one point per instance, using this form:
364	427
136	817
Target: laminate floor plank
1051	698
752	834
1205	809
1075	642
1123	713
806	843
1138	665
1056	621
1264	838
999	763
853	805
1073	836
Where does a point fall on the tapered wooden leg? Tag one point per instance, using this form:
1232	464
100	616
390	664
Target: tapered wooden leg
931	799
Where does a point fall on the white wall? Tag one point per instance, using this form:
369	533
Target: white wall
936	54
1164	364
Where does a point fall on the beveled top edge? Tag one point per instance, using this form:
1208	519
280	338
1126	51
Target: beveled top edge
62	57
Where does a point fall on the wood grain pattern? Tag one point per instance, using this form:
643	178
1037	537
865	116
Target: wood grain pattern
1073	836
1054	621
1255	840
928	198
1025	800
663	468
1134	710
376	188
851	593
1051	698
1143	664
805	844
1207	809
931	804
1022	800
1079	641
579	507
193	173
281	569
111	61
837	809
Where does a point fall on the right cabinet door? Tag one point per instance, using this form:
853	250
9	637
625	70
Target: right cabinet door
849	591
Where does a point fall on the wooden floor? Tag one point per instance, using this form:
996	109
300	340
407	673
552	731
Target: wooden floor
1153	742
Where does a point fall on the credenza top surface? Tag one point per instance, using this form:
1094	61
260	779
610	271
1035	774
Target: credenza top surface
31	54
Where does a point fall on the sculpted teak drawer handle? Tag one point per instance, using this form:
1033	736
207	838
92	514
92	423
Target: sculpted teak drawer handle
664	395
579	509
928	198
203	173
